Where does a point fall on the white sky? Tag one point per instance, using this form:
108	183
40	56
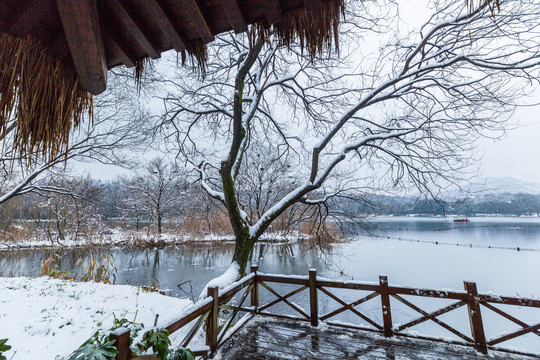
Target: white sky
517	155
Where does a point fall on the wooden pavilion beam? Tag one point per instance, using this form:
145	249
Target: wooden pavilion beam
234	13
125	18
111	36
81	26
313	5
30	16
272	12
127	58
199	21
165	25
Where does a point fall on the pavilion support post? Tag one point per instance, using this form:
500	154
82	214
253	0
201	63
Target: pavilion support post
255	289
313	299
385	302
121	344
475	317
212	321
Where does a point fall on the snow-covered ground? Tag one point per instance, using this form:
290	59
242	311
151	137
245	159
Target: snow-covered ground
118	237
47	319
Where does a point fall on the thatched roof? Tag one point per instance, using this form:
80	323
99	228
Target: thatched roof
55	53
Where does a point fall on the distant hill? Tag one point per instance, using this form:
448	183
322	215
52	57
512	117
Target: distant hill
502	185
490	196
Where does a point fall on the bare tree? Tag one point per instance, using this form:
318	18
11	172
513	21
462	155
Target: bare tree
69	208
118	126
158	189
405	114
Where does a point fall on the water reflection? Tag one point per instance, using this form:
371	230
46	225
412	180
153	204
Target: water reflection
188	264
416	264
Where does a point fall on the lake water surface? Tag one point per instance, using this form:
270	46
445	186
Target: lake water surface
419	252
429	252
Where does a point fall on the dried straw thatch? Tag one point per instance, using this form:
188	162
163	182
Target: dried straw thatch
314	31
42	94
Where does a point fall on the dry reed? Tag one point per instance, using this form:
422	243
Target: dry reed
99	271
42	94
50	268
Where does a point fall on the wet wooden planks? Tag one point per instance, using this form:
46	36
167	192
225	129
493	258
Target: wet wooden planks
273	339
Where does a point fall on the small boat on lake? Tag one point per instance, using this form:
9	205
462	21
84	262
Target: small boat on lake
462	220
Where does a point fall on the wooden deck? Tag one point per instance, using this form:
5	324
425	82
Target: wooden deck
273	339
251	330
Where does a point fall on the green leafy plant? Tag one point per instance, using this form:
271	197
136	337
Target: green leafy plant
157	340
181	354
3	348
98	347
101	347
134	329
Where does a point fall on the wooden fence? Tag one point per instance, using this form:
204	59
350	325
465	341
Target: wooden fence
206	311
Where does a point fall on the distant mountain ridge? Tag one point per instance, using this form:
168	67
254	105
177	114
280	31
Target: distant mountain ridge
502	185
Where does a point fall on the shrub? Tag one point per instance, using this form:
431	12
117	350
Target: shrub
3	348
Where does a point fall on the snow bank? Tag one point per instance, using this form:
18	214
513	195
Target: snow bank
228	277
45	318
117	237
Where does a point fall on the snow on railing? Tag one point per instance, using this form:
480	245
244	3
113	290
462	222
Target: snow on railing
219	296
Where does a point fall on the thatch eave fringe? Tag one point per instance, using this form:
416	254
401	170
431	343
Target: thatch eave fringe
42	95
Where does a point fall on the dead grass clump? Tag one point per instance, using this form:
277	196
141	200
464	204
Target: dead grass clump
49	267
99	271
321	233
200	224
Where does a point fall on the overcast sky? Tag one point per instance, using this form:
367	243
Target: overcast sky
517	155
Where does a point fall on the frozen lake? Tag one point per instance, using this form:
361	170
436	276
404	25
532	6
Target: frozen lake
418	252
427	252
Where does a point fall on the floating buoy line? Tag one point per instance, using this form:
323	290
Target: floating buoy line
469	245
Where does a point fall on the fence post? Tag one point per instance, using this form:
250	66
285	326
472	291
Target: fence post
475	317
385	302
212	321
255	289
121	344
313	300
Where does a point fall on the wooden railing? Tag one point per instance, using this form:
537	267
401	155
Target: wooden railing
206	311
474	301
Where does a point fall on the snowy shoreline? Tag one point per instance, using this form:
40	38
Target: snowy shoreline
45	318
131	238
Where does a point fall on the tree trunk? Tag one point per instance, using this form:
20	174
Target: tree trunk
242	250
244	242
240	225
159	223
